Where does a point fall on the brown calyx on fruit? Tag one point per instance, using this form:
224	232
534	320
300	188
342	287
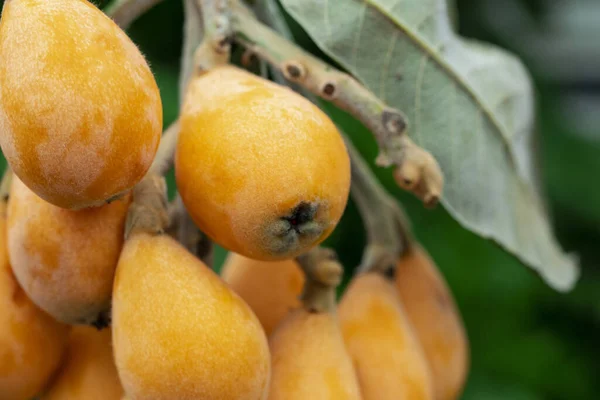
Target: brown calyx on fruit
302	217
298	229
102	321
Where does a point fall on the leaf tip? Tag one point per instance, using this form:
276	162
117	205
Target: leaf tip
565	276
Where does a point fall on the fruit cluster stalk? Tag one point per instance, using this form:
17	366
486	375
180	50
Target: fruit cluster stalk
388	230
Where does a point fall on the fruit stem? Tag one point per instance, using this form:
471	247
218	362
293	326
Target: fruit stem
124	12
215	49
166	150
388	230
184	230
416	169
323	274
148	210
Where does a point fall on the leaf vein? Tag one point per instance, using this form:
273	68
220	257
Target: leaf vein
418	88
356	43
326	17
386	67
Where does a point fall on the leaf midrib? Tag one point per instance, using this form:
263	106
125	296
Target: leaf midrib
458	79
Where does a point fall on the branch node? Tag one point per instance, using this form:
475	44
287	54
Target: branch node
383	160
223	44
420	173
215	49
248	57
329	90
294	71
393	121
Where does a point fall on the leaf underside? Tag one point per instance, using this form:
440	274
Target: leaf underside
470	104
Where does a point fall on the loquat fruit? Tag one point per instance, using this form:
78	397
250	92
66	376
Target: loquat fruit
270	288
309	358
179	332
88	371
80	111
436	320
262	171
389	360
31	342
65	260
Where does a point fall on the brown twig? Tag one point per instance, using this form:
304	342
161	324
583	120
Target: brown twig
124	12
416	169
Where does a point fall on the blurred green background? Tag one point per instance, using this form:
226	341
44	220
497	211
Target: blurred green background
527	341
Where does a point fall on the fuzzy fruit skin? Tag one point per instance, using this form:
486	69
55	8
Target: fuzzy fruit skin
249	153
31	342
65	260
179	332
271	289
389	360
432	311
310	361
88	371
80	111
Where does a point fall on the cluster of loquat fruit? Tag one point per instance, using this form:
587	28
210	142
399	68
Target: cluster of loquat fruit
261	171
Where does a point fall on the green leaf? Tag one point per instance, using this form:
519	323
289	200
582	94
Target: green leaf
470	104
